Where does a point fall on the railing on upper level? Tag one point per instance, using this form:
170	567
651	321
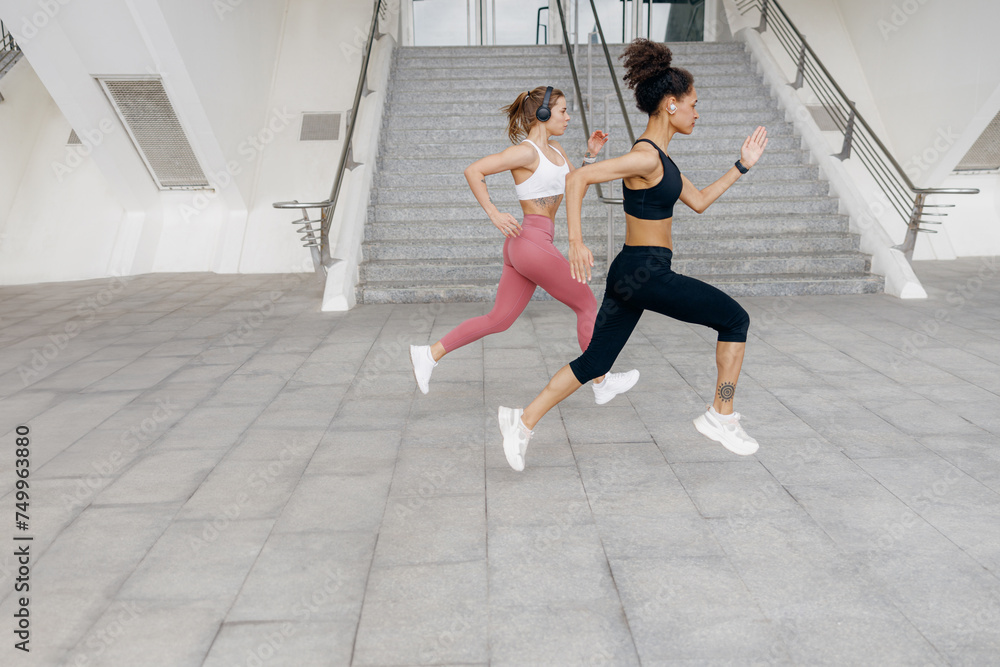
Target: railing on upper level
316	233
9	51
859	138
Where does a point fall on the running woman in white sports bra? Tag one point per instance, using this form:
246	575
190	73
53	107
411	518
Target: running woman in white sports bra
539	168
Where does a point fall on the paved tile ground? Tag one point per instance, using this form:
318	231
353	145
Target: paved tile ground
222	475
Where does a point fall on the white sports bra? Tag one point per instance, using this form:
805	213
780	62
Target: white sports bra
549	178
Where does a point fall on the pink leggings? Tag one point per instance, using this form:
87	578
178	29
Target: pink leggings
530	260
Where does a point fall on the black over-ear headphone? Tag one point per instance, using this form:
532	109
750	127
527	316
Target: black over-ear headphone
543	113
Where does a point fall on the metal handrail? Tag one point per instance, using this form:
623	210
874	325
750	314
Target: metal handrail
906	198
583	112
318	240
539	24
9	50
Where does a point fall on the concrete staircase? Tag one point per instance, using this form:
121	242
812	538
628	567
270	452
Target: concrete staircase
775	232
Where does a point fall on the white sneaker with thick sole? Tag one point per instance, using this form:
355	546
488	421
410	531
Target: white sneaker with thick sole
423	365
515	436
614	384
729	433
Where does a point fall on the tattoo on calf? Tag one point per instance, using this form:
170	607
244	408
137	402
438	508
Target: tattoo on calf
726	391
545	202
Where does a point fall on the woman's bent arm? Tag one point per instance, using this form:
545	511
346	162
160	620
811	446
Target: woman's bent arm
635	163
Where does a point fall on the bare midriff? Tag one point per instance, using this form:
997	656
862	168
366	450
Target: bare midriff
648	232
546	206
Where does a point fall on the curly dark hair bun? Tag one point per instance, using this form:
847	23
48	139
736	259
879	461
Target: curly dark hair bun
649	74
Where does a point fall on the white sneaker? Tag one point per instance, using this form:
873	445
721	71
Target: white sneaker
614	384
423	365
515	436
729	432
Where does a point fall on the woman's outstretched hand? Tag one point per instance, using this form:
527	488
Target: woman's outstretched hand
507	224
596	142
580	261
753	147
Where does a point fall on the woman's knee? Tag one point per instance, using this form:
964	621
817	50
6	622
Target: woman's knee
587	367
736	329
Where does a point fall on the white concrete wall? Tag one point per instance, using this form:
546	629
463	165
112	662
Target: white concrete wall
318	69
239	74
19	124
47	238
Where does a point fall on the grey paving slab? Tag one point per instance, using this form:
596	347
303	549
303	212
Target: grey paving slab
329	586
341	517
286	643
424	613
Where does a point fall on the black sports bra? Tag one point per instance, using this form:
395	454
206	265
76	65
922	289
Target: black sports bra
657	202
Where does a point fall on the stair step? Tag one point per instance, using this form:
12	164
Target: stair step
679	49
555	60
500	97
494	129
502	191
492	246
682	228
763	174
448	107
398	146
736	286
531	71
691	160
482	82
485	271
723	206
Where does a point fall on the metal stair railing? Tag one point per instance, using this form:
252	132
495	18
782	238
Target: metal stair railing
316	233
9	51
907	199
609	201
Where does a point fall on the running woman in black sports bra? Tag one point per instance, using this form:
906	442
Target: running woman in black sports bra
640	277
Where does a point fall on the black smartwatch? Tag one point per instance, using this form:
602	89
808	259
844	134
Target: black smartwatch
743	170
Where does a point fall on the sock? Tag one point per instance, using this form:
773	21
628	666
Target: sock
526	429
430	355
722	417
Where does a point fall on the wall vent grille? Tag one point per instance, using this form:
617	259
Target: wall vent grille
320	127
985	153
145	110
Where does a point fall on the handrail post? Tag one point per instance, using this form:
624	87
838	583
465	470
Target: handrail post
845	151
912	227
801	69
762	26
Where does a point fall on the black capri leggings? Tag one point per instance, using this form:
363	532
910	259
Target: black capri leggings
640	279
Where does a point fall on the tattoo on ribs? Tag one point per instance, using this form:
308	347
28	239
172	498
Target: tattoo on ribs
726	391
545	202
